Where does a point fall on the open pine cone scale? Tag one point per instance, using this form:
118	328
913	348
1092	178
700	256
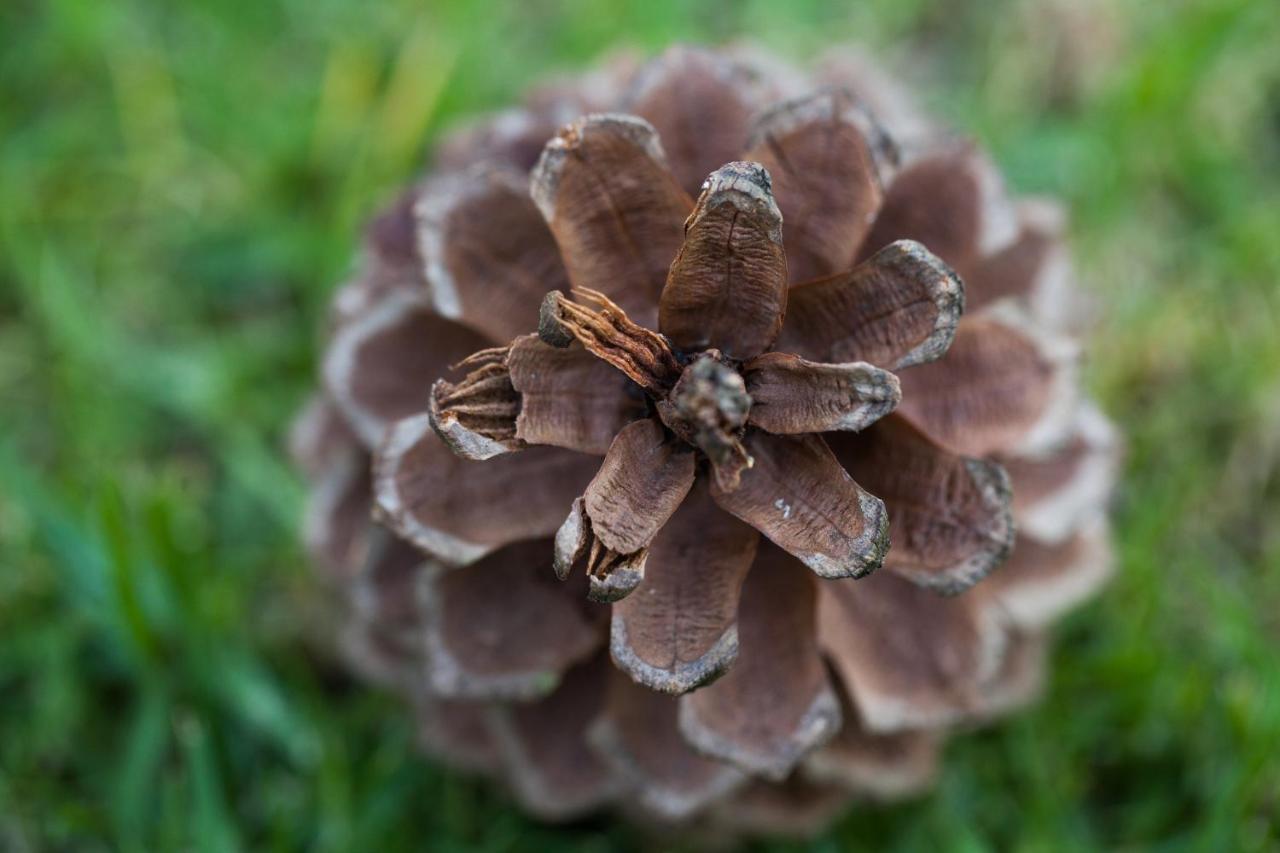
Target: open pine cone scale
743	420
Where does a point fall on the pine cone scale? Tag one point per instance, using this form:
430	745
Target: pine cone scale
682	632
792	396
701	106
897	309
615	210
1000	388
544	751
829	163
727	287
920	672
950	199
491	256
768	732
375	367
951	522
600	402
640	484
799	497
460	510
639	738
483	652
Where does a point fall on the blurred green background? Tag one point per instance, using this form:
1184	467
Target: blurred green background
181	186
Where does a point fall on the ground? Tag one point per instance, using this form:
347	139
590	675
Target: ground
180	188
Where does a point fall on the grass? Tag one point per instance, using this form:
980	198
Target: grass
180	185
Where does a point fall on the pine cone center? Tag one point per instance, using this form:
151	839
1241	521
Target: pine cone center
708	408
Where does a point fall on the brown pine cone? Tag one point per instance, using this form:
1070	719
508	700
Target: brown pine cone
768	448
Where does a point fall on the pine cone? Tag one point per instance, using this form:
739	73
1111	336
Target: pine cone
768	448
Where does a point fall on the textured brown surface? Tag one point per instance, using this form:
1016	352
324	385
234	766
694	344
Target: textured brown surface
796	807
727	288
386	588
616	212
707	408
551	767
1015	270
768	729
336	522
569	398
678	630
898	308
909	657
380	366
886	766
949	518
637	735
797	494
457	732
828	162
790	395
461	510
487	251
701	103
1042	581
996	385
642	480
1056	492
944	200
504	627
610	335
476	416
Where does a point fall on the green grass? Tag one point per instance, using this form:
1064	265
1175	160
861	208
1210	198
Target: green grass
180	186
